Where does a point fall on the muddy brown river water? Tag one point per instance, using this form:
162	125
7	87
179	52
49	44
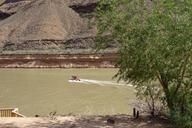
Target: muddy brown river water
41	91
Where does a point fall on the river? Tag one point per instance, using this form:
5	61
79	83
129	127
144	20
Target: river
41	91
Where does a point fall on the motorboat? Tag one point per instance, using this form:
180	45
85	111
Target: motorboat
75	79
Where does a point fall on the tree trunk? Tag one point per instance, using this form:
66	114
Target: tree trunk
169	99
162	79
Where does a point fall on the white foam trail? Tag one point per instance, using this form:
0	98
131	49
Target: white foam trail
101	83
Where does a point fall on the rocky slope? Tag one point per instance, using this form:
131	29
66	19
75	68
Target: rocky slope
12	6
46	25
42	19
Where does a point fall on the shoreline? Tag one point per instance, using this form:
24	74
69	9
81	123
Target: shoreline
106	60
120	121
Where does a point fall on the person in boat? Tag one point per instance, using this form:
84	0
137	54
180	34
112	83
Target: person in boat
75	78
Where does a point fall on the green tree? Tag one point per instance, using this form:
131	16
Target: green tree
155	44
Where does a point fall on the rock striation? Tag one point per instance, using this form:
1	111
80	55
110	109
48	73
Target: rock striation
43	25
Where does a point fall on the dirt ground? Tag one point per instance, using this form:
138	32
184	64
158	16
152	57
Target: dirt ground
119	121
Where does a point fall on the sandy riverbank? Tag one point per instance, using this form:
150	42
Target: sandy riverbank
121	121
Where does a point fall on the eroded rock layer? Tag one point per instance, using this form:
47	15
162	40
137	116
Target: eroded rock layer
36	22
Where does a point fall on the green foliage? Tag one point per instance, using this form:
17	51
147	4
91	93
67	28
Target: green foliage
184	120
155	44
183	115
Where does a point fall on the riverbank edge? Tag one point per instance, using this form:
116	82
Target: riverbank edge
120	121
107	60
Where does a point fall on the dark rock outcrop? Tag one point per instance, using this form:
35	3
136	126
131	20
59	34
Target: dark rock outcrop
4	15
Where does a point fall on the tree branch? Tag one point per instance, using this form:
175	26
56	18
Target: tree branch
182	71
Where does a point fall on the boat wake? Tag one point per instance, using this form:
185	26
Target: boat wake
98	82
